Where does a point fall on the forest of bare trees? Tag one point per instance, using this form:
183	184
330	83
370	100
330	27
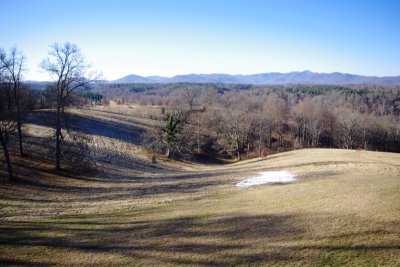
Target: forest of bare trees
241	121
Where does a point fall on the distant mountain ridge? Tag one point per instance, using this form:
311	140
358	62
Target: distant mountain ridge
303	77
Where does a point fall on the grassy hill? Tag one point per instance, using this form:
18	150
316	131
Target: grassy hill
343	209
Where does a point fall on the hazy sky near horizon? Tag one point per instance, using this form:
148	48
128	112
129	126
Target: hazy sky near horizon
169	37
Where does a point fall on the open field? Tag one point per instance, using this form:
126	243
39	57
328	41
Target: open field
343	209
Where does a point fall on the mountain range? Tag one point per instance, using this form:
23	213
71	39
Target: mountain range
303	77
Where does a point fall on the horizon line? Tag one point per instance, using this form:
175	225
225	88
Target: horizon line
268	72
236	74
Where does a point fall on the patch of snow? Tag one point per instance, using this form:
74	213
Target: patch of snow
268	177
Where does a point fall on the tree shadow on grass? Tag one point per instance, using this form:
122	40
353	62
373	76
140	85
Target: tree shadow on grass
191	240
197	240
12	262
90	125
45	185
133	119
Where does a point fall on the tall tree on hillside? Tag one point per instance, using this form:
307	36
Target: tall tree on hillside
69	68
7	125
13	66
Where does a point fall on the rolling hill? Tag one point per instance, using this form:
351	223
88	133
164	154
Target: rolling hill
342	209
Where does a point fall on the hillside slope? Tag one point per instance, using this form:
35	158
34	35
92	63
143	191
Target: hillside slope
343	209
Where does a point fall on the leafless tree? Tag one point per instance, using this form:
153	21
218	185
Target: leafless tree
14	65
190	96
346	128
309	116
209	97
274	118
230	126
68	67
365	126
196	130
249	125
7	125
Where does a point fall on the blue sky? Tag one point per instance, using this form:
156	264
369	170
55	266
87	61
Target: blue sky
169	37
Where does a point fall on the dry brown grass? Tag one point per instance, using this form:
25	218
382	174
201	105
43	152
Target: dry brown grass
342	210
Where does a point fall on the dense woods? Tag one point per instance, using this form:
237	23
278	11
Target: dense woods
236	121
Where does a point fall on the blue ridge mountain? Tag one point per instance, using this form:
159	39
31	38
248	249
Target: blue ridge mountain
303	77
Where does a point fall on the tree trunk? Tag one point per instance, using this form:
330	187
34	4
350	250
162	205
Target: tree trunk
270	139
364	137
19	123
260	141
237	150
198	138
7	157
58	139
19	119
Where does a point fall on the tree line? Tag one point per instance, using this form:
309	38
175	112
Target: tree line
241	121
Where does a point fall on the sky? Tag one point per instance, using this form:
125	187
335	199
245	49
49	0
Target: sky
171	37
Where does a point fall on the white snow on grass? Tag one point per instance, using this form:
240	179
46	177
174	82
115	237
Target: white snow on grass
268	177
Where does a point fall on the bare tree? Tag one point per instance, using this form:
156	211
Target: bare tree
209	97
69	68
308	115
365	127
346	128
230	126
190	96
14	65
196	130
274	118
7	125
